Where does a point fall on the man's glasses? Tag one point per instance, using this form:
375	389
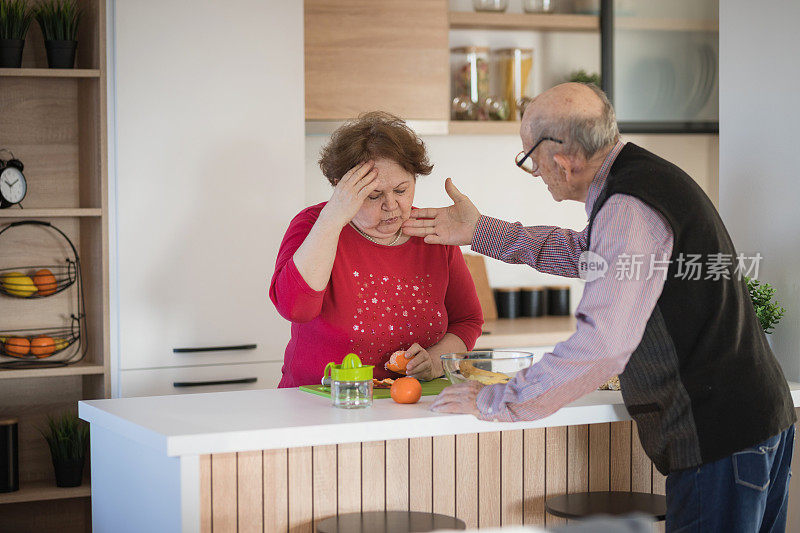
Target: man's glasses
524	159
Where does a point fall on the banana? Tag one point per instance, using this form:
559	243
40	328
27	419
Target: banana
469	371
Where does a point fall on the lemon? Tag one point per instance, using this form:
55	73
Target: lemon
18	284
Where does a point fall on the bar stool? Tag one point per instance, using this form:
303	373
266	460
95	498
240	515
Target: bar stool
586	504
388	522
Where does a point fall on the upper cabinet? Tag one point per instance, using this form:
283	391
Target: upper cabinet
660	64
657	61
363	55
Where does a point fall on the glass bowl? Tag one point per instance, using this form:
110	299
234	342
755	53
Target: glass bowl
486	366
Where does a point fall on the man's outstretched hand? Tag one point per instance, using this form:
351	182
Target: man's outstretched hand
445	225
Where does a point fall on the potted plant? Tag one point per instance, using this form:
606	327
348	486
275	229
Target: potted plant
581	76
68	437
15	18
59	22
768	311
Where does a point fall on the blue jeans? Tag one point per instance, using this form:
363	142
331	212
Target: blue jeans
745	492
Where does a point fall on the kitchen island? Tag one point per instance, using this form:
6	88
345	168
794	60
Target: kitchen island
281	460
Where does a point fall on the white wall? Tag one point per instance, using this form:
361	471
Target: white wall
483	168
759	156
760	160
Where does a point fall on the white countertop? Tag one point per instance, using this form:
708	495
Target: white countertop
223	422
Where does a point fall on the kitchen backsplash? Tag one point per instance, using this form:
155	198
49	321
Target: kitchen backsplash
483	168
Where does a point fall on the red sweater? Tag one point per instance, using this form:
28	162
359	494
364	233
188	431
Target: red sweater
379	299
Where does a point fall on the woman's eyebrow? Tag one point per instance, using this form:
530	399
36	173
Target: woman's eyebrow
395	187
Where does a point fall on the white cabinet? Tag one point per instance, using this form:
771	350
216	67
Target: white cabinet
209	154
190	380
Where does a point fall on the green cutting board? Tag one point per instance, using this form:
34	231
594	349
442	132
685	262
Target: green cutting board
429	388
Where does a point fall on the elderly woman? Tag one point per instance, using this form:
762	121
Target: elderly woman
349	280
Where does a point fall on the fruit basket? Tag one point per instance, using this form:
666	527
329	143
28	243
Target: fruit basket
50	346
485	366
32	346
39	281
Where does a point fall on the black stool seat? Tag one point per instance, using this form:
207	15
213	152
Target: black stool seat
388	522
585	504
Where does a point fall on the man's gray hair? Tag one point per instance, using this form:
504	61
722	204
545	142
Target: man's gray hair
581	133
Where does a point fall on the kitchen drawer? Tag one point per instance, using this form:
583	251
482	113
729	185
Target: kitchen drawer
196	379
196	350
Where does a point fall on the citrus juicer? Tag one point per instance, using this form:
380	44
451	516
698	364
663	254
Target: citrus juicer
350	383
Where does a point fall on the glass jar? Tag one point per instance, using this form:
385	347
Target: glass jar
515	71
539	6
490	5
469	67
351	394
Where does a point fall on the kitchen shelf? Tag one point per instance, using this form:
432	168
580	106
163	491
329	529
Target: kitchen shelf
661	24
78	369
35	491
51	212
50	72
483	127
470	20
504	333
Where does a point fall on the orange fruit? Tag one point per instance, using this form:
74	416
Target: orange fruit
406	390
42	346
397	362
45	281
18	346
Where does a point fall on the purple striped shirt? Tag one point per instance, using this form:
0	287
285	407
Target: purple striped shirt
612	313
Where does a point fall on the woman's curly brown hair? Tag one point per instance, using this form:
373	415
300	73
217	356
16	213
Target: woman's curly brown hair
373	135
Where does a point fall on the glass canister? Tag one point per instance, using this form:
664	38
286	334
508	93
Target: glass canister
539	6
515	69
351	383
469	67
490	5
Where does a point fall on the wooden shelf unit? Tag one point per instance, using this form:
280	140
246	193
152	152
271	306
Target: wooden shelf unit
470	20
52	213
79	369
37	491
50	73
55	122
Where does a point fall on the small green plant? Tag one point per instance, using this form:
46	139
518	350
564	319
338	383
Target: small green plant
67	436
59	19
768	311
581	76
15	18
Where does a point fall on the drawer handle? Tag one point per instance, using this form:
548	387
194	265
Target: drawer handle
218	382
215	348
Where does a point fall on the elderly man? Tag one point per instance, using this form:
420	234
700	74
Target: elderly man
712	405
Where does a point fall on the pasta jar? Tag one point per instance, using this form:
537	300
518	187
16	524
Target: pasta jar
515	70
470	73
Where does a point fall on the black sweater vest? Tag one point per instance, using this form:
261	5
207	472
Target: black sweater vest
703	383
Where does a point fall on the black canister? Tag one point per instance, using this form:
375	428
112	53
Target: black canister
558	301
508	302
533	301
9	454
